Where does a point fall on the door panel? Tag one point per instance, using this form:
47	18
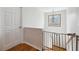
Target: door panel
10	30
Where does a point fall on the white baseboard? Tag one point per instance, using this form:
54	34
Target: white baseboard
33	45
10	45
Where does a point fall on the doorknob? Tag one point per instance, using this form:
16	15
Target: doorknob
20	26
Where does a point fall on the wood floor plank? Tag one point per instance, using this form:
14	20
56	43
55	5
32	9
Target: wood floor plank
22	47
55	48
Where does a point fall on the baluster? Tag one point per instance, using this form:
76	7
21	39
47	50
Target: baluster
68	44
43	40
59	41
72	44
52	40
76	43
48	40
56	40
62	40
65	41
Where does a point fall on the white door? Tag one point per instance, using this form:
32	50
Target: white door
2	29
11	28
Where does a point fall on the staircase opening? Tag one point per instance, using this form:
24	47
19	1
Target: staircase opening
59	41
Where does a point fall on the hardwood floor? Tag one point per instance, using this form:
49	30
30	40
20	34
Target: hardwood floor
23	47
55	48
26	47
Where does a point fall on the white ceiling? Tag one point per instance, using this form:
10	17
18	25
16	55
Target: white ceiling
50	9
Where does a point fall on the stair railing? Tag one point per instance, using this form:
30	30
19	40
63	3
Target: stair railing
59	41
71	43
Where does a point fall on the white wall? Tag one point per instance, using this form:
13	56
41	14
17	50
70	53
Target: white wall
32	17
35	17
61	29
72	20
77	30
77	22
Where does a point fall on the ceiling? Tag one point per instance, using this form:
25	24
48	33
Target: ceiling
50	9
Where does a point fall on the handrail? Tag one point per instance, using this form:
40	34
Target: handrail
69	34
60	33
77	37
54	32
